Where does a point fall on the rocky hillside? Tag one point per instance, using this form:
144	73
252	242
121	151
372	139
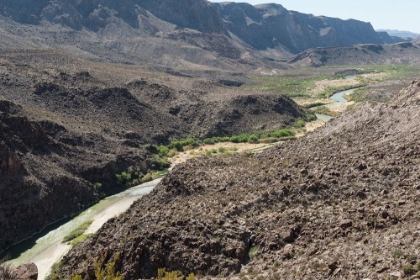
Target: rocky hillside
192	37
400	33
66	124
269	26
388	39
341	203
402	53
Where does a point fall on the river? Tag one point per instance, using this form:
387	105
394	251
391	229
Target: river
338	99
45	248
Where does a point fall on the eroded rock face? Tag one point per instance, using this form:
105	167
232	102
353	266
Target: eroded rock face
402	53
332	204
197	14
270	26
267	26
28	271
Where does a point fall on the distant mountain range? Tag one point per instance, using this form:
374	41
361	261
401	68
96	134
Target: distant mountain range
399	33
177	34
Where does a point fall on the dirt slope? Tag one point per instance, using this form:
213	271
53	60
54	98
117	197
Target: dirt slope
341	203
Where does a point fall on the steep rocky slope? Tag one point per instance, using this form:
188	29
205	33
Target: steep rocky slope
400	33
341	203
388	39
402	53
67	123
187	36
270	26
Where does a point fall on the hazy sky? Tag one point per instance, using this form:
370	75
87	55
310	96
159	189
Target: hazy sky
382	14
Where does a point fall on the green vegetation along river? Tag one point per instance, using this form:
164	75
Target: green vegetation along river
338	98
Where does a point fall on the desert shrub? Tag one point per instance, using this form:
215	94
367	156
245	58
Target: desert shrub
299	123
243	138
80	239
269	140
397	254
172	153
222	150
160	163
162	151
76	277
147	178
208	141
177	145
408	269
109	271
252	251
77	232
285	132
253	139
163	274
234	139
123	177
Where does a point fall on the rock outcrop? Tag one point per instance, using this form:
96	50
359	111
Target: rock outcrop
402	53
270	26
340	203
388	39
28	271
176	34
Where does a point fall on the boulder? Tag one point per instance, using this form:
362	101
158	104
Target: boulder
25	271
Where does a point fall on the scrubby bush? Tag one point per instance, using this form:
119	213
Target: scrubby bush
147	178
163	274
269	140
208	141
282	133
160	163
179	145
172	153
299	123
77	232
162	150
253	139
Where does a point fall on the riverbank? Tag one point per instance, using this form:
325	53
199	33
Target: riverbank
48	249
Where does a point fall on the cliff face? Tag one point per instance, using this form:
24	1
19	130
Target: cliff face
196	14
271	25
133	30
388	39
402	53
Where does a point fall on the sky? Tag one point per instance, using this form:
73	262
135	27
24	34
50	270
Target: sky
382	14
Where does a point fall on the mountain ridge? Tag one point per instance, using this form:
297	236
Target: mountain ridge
179	35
